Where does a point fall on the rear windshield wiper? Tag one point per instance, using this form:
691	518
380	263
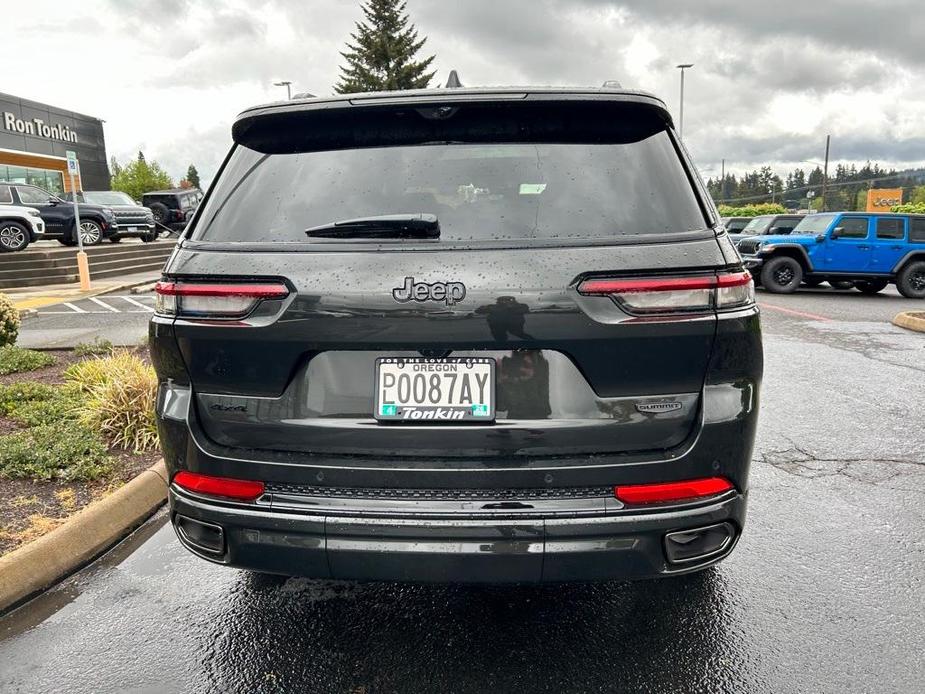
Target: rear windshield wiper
387	226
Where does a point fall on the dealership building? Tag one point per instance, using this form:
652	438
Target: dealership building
34	140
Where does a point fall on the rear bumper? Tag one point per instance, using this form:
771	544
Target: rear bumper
410	548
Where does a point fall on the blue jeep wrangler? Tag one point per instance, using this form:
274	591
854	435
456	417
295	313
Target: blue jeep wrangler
867	249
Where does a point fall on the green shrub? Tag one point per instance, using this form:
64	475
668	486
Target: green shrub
9	321
62	406
16	359
910	208
95	348
15	394
118	398
63	451
752	210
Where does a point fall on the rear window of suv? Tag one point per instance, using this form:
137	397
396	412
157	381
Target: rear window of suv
479	192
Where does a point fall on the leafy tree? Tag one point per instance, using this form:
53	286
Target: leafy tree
139	177
193	176
382	55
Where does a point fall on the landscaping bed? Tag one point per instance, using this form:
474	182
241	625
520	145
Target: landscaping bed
74	426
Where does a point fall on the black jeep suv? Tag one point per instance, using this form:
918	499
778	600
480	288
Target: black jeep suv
490	335
172	209
131	218
96	221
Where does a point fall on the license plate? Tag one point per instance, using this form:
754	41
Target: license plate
133	228
420	389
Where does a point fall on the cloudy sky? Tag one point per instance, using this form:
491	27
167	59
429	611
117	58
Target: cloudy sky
770	78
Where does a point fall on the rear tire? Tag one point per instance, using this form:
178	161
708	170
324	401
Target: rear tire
841	284
871	286
781	275
13	237
148	238
115	239
911	280
67	241
160	212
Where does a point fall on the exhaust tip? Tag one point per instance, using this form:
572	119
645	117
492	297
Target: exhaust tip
205	537
697	544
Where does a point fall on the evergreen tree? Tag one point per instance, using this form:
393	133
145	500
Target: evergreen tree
381	57
193	176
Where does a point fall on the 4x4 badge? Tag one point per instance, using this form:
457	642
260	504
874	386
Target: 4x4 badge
448	292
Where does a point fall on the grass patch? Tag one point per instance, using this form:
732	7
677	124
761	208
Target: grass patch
63	450
16	360
92	349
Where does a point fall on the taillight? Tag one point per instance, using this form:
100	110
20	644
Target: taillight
226	487
662	492
675	293
213	300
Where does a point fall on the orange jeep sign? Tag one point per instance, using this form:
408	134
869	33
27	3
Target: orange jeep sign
882	199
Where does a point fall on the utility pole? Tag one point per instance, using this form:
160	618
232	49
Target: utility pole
722	178
285	84
825	171
682	68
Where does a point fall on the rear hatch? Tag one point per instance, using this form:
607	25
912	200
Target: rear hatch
534	198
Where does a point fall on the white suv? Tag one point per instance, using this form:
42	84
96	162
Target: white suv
19	226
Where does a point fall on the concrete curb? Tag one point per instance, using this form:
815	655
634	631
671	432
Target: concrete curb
45	561
142	288
911	320
29	312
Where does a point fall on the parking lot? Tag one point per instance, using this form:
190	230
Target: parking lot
824	593
120	318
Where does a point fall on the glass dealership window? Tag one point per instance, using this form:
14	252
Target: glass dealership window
14	174
52	181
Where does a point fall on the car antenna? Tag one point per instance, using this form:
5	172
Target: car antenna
611	84
453	81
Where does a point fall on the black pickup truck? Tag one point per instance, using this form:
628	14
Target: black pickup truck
96	222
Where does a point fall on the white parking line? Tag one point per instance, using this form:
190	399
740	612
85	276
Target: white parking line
102	303
84	306
147	309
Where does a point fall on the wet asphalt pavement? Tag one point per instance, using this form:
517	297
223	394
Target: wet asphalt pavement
825	592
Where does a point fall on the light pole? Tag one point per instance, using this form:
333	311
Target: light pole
682	68
285	84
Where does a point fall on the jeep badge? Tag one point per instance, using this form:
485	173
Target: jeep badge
448	292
